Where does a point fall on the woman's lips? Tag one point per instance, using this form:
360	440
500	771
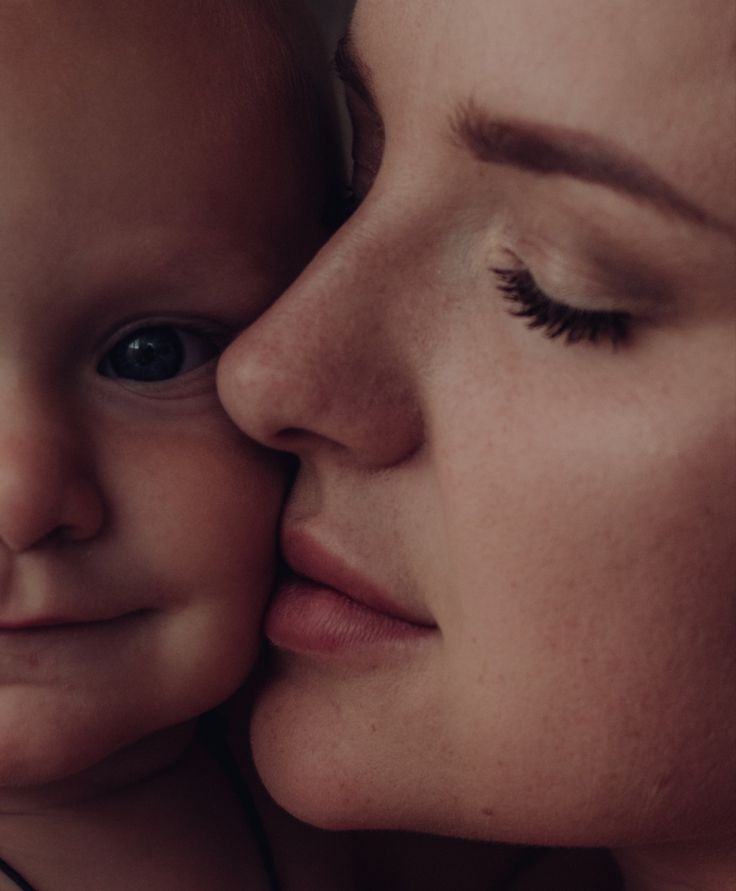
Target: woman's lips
325	607
307	617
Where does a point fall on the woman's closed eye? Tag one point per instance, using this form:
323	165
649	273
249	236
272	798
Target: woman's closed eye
160	352
558	319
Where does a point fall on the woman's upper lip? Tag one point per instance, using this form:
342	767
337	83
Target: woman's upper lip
307	558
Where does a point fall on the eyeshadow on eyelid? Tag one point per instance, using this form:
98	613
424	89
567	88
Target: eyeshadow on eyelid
570	249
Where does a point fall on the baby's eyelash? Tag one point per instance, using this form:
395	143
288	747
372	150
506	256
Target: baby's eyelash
558	319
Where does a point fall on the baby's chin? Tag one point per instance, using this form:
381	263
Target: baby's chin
49	742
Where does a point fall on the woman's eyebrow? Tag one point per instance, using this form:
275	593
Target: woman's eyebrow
542	148
546	149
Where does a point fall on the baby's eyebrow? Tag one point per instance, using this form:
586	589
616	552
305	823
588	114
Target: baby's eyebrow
543	149
547	150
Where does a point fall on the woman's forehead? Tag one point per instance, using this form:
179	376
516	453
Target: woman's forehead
572	31
657	79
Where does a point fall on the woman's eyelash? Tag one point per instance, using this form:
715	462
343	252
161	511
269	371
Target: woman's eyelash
558	319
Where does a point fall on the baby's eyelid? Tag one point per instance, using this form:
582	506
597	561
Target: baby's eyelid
207	327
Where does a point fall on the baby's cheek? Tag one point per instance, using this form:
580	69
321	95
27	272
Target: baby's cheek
193	520
206	541
193	492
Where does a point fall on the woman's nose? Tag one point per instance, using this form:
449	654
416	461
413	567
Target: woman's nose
321	368
45	492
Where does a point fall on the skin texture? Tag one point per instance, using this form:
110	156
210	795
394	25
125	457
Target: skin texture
562	513
147	172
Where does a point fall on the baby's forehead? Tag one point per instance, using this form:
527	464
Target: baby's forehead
256	39
207	65
292	48
128	117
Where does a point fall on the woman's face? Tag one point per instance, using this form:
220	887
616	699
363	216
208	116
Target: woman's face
511	382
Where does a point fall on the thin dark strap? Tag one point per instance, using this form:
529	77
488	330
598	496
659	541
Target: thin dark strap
213	728
7	870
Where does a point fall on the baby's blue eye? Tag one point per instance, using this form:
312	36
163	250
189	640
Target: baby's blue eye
157	353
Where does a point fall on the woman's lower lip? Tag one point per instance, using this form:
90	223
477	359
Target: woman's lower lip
307	617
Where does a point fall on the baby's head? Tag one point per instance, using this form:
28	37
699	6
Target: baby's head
159	186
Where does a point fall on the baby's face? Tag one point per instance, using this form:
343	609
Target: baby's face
150	206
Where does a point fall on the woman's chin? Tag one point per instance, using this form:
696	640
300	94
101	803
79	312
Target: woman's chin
325	766
288	756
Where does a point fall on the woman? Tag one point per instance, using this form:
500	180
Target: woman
509	380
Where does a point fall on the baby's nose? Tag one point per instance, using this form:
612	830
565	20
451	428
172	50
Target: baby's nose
44	491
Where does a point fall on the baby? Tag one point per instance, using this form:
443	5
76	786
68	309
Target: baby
160	184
